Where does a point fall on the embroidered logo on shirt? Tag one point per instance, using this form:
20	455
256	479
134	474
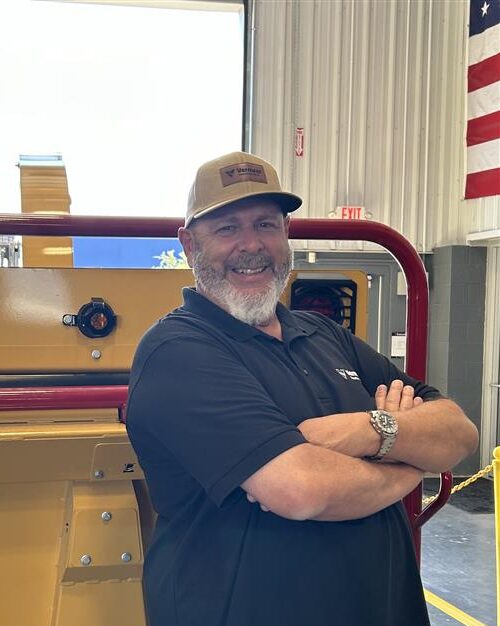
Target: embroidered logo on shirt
348	374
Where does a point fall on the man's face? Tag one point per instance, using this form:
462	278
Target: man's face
241	258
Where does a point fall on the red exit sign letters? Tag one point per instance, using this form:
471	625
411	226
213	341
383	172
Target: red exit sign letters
350	213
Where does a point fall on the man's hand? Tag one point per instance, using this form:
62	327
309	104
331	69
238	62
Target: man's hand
351	433
399	397
251	499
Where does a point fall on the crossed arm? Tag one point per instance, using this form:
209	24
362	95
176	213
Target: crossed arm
433	436
328	479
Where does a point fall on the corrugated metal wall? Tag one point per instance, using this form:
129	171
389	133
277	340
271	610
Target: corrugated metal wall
379	88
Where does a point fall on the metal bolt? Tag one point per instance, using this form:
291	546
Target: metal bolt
96	354
86	559
106	516
67	319
126	557
99	474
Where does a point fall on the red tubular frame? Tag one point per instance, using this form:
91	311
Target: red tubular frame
91	397
308	229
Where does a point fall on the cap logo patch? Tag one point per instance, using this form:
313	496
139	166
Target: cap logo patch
242	172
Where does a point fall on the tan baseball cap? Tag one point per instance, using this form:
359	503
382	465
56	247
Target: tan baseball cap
233	177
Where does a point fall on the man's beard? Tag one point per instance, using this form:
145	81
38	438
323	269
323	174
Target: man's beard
251	307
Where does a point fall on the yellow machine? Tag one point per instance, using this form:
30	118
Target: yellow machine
44	189
74	512
70	518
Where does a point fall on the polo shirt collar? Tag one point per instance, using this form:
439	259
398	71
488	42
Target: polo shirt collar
292	326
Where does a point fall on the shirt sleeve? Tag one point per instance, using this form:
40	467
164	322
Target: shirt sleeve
197	399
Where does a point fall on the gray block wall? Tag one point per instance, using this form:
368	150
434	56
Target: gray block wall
456	329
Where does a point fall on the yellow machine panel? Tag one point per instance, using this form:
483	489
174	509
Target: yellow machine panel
70	520
72	555
33	337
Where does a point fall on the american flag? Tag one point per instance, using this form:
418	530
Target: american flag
483	100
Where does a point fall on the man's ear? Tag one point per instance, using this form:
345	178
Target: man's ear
286	221
186	238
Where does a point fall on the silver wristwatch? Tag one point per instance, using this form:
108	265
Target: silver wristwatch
387	427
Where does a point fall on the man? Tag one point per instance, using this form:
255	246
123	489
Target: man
277	484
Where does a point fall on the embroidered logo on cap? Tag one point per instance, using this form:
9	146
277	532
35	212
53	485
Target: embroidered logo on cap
242	172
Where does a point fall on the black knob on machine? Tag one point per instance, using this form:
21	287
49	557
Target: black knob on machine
94	319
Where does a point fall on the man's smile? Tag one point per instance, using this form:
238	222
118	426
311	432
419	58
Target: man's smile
258	277
249	271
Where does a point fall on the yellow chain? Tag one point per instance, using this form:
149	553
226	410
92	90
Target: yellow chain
465	483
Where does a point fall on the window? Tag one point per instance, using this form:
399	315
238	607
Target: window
133	97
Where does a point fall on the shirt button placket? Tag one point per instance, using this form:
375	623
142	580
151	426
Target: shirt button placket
302	369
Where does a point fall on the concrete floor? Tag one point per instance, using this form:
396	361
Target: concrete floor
458	564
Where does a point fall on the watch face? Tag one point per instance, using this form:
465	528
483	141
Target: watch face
388	423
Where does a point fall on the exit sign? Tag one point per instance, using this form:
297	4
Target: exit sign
349	213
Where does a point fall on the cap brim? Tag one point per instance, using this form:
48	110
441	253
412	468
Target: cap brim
288	202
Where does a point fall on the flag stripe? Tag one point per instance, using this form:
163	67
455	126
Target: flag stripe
484	45
484	73
483	156
483	101
484	128
483	184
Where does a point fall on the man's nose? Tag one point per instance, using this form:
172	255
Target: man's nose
250	240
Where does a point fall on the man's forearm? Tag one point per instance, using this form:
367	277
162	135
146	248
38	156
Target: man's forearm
311	482
434	436
374	487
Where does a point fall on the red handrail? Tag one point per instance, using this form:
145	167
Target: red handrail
308	229
38	398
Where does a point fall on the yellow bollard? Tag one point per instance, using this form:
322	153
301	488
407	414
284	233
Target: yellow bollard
496	486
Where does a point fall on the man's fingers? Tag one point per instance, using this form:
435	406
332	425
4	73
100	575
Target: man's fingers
380	396
406	398
393	400
252	500
399	397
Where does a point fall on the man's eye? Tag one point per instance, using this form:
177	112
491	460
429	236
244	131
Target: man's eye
266	225
228	228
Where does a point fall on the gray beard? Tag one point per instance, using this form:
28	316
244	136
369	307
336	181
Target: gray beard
255	309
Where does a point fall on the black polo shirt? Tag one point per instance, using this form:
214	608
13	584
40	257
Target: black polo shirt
211	401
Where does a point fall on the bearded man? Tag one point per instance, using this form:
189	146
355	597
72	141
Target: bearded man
277	480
